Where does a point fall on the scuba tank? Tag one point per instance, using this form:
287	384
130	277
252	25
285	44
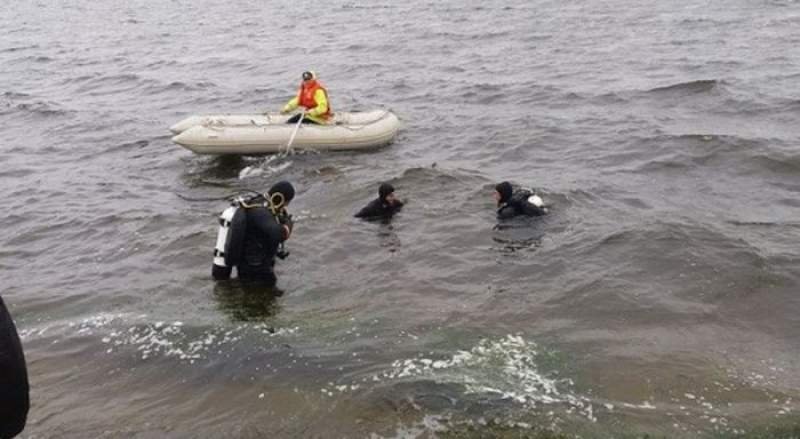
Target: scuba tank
227	251
532	197
233	229
536	200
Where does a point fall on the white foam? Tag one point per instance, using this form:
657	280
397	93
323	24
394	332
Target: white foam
156	339
645	405
505	367
264	168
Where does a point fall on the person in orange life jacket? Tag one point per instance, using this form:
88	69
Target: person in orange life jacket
511	203
314	98
384	206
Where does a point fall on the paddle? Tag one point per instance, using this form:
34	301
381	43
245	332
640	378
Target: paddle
294	132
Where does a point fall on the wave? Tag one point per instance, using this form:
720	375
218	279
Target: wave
353	6
436	175
485	94
126	82
109	84
765	223
690	87
160	63
139	334
15	95
42	108
178	86
710	96
536	38
610	98
680	151
789	104
778	162
437	35
126	146
16	173
19	48
708	21
668	152
31	59
357	47
121	78
35	107
41	59
672	266
79	79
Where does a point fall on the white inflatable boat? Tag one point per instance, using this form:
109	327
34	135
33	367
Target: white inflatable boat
270	133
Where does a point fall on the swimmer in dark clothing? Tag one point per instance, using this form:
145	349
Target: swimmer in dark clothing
511	203
384	206
264	234
14	398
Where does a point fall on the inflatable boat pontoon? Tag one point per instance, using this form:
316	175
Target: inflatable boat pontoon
270	133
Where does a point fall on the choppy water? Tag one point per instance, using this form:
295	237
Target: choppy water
660	296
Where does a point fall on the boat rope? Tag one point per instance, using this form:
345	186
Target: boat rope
360	127
220	125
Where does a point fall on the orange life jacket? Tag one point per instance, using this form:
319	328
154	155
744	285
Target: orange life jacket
305	97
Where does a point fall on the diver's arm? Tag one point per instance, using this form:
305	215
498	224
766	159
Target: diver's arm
533	210
270	232
506	212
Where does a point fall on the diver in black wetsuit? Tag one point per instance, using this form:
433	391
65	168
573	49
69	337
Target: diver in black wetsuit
382	207
14	398
265	232
511	203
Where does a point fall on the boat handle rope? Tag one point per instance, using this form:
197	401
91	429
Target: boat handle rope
364	125
219	125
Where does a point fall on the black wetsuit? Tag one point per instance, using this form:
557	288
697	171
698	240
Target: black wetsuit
518	204
263	237
14	398
378	208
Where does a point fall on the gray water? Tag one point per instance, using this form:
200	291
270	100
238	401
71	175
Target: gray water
659	296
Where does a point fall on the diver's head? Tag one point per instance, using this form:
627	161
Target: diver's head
281	193
309	75
386	193
502	192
